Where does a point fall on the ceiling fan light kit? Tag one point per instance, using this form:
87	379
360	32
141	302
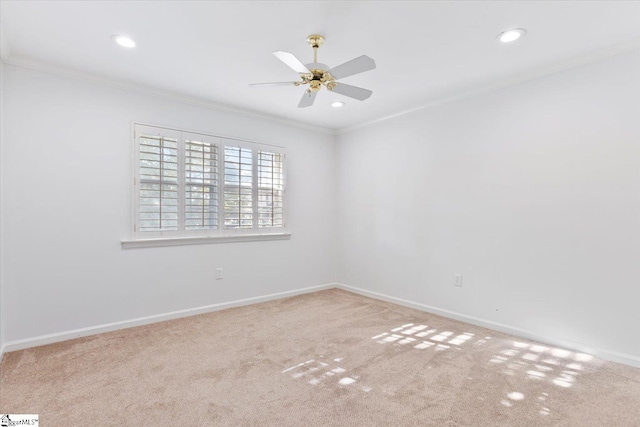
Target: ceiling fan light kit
316	75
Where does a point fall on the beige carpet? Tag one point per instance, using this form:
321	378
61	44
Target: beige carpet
331	358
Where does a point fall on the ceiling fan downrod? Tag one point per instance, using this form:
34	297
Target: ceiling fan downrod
315	40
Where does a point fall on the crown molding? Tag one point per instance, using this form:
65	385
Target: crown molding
159	93
564	65
567	64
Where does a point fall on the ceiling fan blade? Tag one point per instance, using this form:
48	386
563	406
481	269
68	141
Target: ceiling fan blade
352	91
359	65
293	62
275	84
307	99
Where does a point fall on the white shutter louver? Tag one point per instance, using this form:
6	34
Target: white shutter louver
201	185
238	187
270	189
158	175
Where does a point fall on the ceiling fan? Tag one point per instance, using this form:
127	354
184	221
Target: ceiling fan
317	75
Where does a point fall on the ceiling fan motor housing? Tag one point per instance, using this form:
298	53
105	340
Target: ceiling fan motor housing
319	76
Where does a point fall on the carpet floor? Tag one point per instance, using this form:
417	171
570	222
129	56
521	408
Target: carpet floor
331	358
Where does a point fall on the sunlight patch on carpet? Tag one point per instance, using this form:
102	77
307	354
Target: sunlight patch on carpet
559	368
318	372
409	333
538	362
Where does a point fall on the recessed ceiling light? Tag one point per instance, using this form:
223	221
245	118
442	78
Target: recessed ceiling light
124	41
511	35
337	104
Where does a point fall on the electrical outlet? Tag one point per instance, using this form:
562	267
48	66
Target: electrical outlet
457	280
219	273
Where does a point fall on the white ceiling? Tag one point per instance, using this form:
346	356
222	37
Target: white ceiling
426	52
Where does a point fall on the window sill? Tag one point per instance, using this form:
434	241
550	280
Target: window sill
183	241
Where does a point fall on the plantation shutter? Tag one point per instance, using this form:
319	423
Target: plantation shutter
201	182
238	187
191	184
158	186
270	189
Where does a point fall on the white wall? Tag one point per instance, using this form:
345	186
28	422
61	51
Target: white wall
1	227
532	192
67	169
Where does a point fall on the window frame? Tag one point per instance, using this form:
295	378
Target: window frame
221	233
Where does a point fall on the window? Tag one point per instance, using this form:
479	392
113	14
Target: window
188	184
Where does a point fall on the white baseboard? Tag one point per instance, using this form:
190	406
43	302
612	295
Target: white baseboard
93	330
614	356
